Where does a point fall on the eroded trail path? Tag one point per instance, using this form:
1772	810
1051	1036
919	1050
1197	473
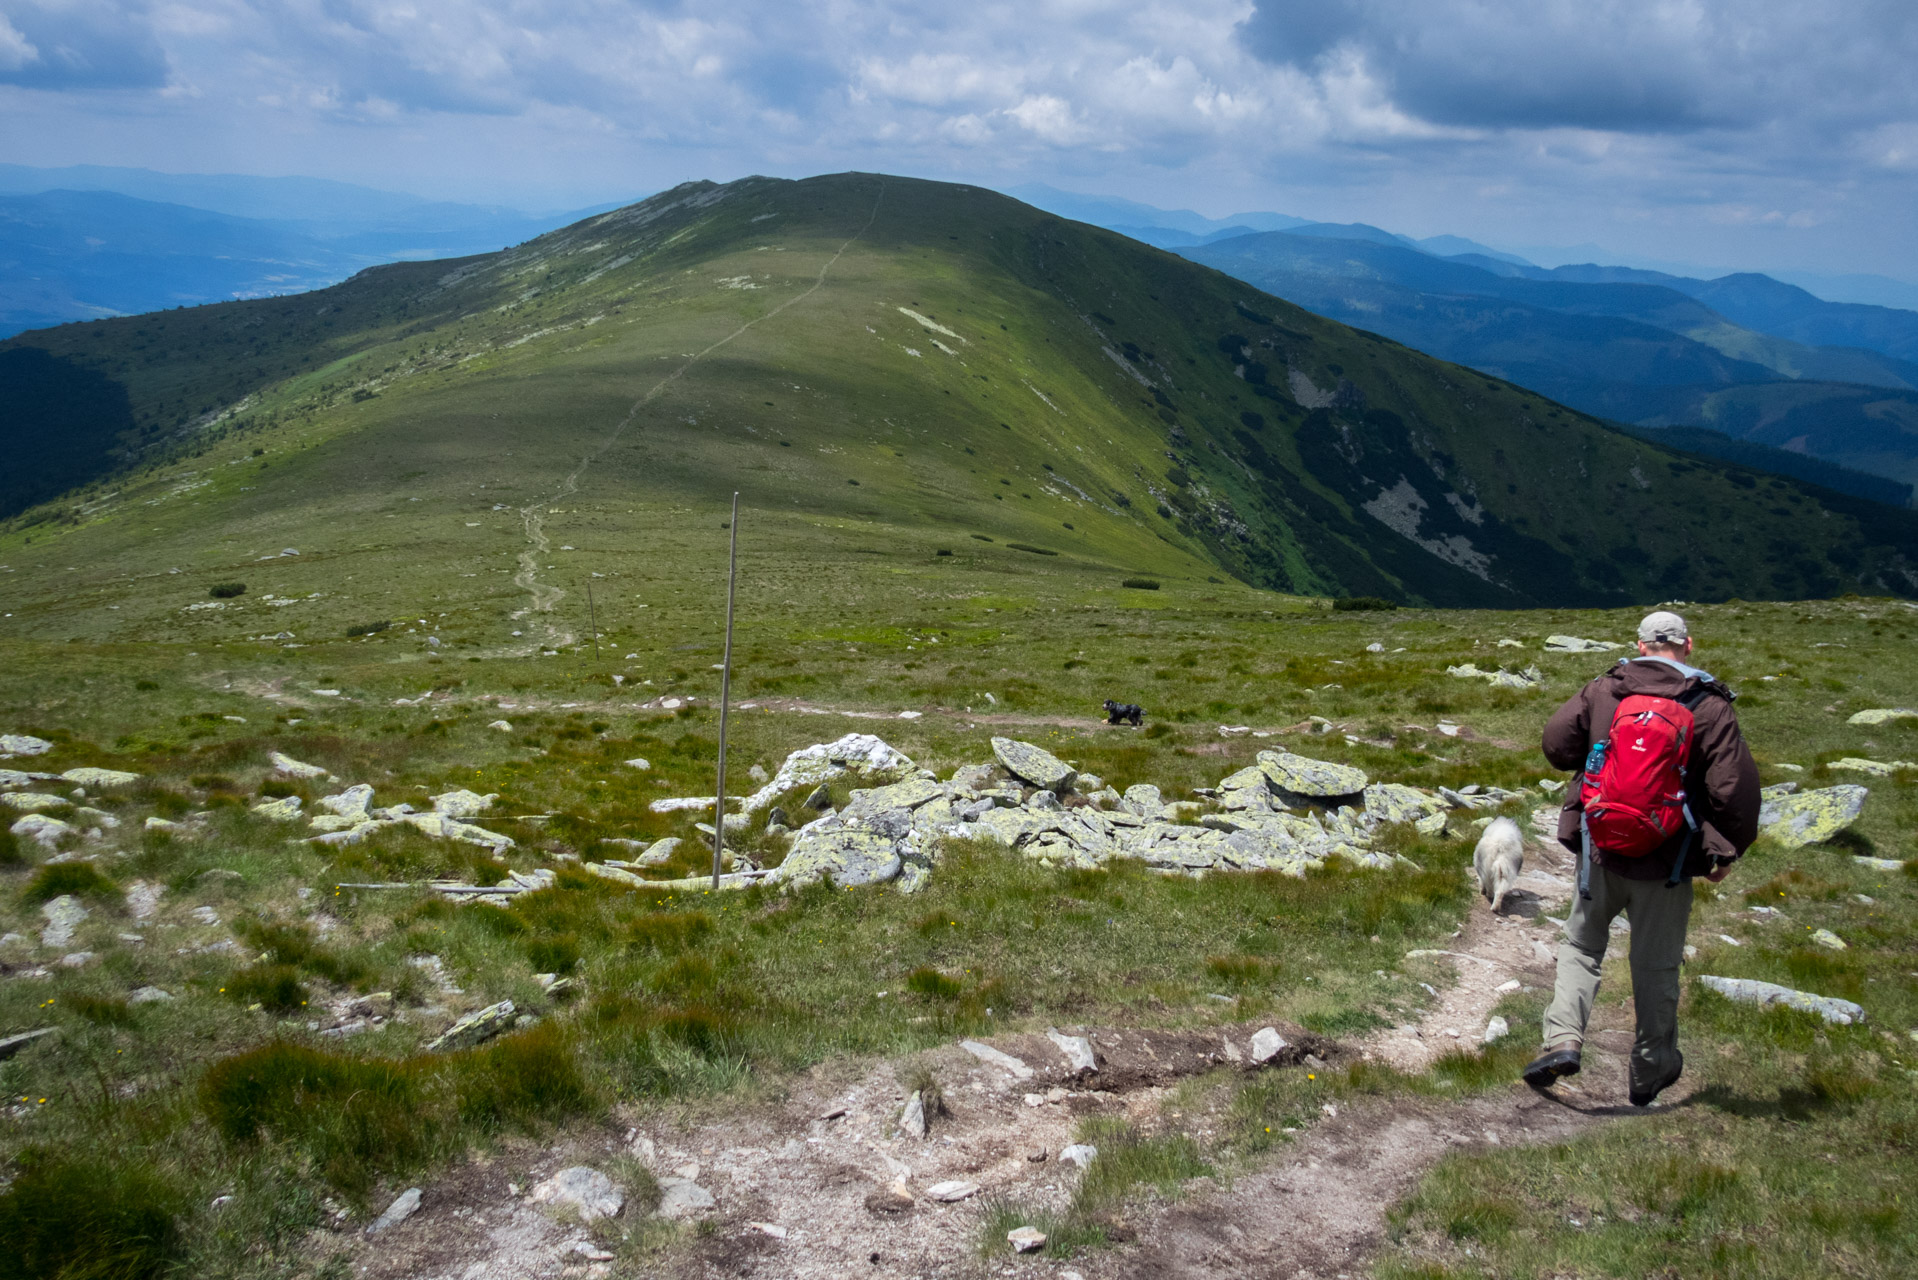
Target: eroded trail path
1318	1212
823	1181
543	596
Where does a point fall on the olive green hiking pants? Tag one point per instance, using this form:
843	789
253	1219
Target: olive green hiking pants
1659	914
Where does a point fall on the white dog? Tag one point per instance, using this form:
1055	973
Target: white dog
1499	858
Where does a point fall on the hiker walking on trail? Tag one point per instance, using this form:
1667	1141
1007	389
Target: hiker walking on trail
1668	791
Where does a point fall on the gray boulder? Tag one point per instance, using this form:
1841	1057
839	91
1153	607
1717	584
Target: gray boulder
833	850
1810	817
1394	802
1033	764
1302	776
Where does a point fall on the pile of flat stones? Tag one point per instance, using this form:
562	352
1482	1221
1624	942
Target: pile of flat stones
1285	813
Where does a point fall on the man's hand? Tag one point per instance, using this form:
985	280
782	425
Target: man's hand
1719	872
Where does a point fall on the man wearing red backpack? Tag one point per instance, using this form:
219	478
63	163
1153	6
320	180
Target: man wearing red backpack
1668	791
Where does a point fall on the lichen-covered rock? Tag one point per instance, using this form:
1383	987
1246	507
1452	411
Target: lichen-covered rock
1248	790
1882	715
1829	940
88	776
1144	800
33	801
683	1198
856	753
462	803
22	744
42	830
442	827
285	809
1752	991
832	850
1876	768
1302	776
1809	817
909	794
350	803
475	1028
1033	764
1395	802
63	915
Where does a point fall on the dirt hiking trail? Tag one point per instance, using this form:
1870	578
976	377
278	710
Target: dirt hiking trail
822	1183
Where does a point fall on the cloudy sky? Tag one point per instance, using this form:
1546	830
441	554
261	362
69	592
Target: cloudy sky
1738	133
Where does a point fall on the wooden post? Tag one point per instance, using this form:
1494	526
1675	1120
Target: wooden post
592	620
725	693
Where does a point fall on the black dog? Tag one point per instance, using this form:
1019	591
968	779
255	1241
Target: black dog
1124	713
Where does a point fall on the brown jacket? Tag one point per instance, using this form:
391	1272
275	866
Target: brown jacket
1722	781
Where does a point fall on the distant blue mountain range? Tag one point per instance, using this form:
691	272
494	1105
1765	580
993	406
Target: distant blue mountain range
1776	376
84	242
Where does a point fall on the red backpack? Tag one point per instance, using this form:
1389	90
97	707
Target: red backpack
1633	788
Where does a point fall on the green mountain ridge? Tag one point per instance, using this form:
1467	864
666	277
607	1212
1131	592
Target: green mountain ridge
880	366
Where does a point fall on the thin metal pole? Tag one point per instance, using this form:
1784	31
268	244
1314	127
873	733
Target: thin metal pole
725	693
592	618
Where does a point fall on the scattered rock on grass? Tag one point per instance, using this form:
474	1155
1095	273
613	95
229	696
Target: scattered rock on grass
475	1028
42	830
11	1045
284	809
585	1190
404	1206
88	776
1267	1044
1080	1154
1881	715
994	1057
1026	1239
1810	817
22	744
1826	938
1577	644
283	763
64	915
1752	991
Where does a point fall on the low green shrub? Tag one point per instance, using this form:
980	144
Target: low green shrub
1361	604
368	628
226	590
1141	584
91	1219
1028	547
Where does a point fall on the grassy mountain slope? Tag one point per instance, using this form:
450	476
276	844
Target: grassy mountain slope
880	366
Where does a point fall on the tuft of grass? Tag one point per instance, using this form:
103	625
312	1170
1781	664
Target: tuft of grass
274	987
226	590
1129	1159
104	1011
520	1081
934	985
88	1219
80	879
12	854
1066	1233
917	1076
355	1118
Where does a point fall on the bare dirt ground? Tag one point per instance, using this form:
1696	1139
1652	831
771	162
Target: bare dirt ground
821	1183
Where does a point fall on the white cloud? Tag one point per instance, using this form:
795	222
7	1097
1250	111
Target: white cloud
1554	118
15	51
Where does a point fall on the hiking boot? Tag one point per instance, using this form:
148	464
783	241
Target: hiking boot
1645	1099
1544	1071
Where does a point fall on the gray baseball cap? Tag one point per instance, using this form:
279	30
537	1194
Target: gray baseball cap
1662	627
